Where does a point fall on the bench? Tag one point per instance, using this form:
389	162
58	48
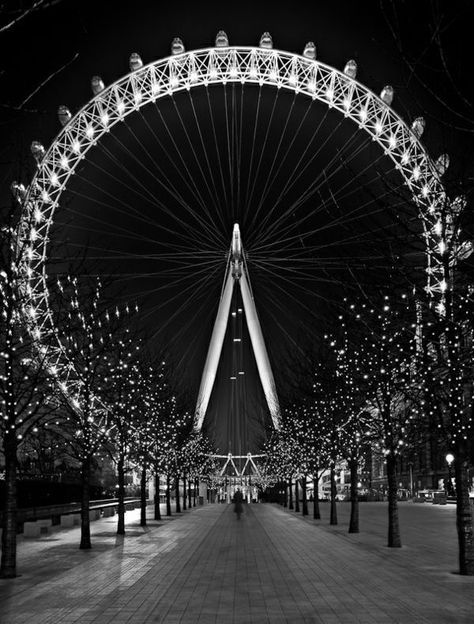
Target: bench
68	520
37	528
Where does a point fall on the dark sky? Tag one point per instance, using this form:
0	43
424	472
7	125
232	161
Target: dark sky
176	276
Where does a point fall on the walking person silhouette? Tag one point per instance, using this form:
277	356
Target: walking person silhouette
238	503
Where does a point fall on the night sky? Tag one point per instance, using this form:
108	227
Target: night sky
305	252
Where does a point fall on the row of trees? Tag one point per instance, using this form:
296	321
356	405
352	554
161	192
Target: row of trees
393	374
107	395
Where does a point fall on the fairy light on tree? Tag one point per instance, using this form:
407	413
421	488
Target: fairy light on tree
123	399
197	461
23	372
348	405
183	431
307	425
389	357
449	360
282	459
156	428
89	333
143	429
326	421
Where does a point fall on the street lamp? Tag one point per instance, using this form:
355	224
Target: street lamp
449	461
410	467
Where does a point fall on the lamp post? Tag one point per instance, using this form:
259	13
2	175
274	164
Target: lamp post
410	467
449	461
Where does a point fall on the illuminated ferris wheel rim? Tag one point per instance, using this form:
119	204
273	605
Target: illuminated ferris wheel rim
263	66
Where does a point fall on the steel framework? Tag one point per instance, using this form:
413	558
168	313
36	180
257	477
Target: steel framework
189	70
236	273
249	462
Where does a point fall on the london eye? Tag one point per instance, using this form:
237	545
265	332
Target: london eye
330	190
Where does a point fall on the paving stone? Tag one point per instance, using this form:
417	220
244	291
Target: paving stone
205	566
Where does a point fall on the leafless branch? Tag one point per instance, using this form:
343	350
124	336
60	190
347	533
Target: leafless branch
46	80
36	5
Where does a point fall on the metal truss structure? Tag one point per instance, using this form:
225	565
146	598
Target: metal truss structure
265	66
236	273
249	463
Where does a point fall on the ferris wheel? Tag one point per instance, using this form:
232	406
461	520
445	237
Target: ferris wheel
151	175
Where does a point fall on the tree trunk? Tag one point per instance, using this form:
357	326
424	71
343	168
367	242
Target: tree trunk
463	512
196	485
316	510
85	520
285	494
333	519
354	521
189	494
8	560
185	493
297	496
143	496
168	494
290	487
394	540
178	502
305	496
157	514
121	495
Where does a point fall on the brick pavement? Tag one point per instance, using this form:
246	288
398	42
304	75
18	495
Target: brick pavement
272	566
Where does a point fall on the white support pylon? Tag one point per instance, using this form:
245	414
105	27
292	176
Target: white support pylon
214	352
236	272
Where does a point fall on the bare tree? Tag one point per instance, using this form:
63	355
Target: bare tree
89	334
391	377
24	390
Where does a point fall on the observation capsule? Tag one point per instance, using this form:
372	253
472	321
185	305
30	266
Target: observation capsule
266	41
351	68
310	51
97	85
418	126
177	46
38	151
465	249
458	204
64	115
18	191
135	61
222	40
442	163
386	95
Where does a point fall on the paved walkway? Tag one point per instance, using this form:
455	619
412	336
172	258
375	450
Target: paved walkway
272	566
